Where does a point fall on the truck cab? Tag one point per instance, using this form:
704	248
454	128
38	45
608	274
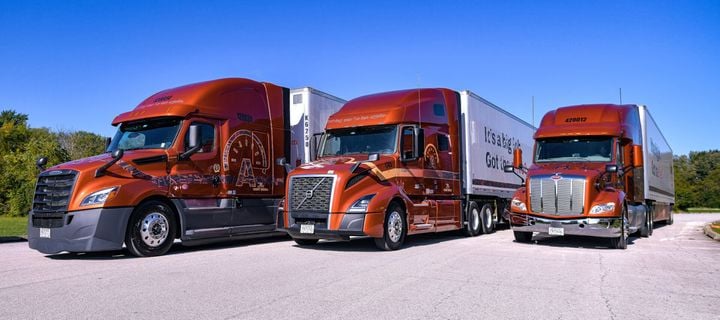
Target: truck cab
588	176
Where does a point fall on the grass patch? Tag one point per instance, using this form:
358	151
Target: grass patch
703	210
715	226
13	226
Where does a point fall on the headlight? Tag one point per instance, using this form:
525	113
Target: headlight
517	204
99	197
361	205
603	208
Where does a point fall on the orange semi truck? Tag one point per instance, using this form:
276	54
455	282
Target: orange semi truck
598	170
406	162
201	162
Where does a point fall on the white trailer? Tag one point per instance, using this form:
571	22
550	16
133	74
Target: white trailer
490	134
309	110
658	175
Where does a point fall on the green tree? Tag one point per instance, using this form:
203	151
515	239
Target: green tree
81	144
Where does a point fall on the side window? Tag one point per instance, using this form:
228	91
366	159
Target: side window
207	137
406	142
443	142
619	155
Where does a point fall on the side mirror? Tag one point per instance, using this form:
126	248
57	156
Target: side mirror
517	158
193	136
637	159
611	168
283	162
41	163
315	145
193	143
419	145
509	168
108	140
117	154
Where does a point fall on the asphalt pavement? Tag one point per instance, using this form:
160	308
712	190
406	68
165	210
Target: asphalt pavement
675	274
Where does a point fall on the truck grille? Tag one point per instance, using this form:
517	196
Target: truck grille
311	193
53	191
563	195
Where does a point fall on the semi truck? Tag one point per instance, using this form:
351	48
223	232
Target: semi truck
599	170
202	162
405	162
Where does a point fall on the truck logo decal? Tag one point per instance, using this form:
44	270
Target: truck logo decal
556	177
309	193
245	156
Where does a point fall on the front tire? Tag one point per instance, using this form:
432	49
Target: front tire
621	241
394	229
151	230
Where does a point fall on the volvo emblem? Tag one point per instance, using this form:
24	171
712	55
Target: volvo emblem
308	194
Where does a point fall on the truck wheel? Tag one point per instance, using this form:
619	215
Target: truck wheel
306	242
486	217
151	230
395	229
647	229
474	226
522	236
670	219
621	241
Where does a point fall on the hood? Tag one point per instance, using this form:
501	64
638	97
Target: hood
341	166
132	157
585	169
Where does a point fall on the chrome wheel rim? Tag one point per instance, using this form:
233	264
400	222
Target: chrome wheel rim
487	214
475	223
395	226
154	229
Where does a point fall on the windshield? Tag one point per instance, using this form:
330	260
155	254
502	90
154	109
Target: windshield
590	149
381	140
145	134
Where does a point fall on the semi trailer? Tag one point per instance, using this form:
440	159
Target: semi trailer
406	162
202	162
599	170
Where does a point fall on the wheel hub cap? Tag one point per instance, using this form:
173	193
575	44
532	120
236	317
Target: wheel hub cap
395	226
154	229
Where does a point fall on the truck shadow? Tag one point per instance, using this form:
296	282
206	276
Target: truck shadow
368	244
570	241
177	248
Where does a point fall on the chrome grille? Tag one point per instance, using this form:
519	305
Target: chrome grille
311	193
562	196
53	191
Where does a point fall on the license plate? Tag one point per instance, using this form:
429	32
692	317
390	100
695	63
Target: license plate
307	228
44	232
556	231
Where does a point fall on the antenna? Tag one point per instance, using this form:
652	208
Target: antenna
620	95
533	111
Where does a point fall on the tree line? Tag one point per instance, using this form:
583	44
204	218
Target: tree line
21	146
697	175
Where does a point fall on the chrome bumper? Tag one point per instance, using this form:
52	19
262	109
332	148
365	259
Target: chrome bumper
593	227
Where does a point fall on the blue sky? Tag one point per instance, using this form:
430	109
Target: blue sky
74	65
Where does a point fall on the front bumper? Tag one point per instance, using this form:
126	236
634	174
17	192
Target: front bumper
83	231
593	227
351	224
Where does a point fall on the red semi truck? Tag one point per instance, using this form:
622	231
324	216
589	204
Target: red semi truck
598	170
406	162
197	163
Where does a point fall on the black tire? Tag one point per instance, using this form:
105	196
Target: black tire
394	229
647	229
306	242
621	241
486	218
151	230
670	219
523	236
474	225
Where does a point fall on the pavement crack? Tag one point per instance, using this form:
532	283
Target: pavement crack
603	275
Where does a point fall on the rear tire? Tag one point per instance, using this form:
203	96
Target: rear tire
647	229
523	236
151	230
486	218
306	242
394	229
474	223
670	219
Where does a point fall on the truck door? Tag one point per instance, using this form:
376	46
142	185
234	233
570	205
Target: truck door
412	177
196	180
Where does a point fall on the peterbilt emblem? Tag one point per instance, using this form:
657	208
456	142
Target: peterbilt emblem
556	177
